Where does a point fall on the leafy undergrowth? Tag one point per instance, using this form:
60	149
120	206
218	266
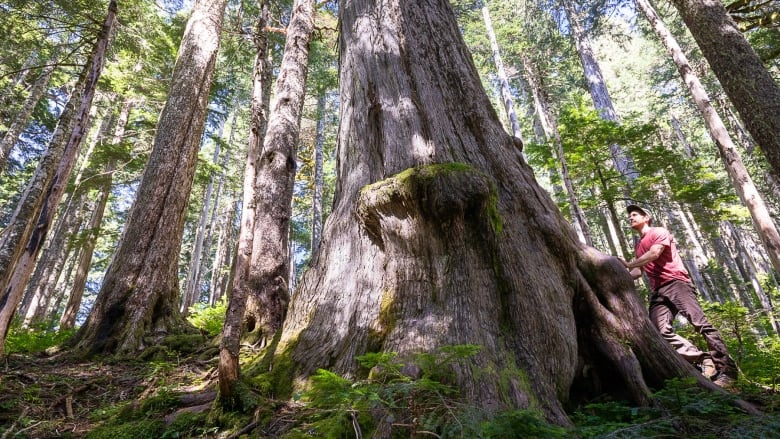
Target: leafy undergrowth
171	395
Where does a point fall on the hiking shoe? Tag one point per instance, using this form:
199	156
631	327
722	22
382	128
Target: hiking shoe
708	368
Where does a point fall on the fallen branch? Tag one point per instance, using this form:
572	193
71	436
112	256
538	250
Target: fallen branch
251	426
11	428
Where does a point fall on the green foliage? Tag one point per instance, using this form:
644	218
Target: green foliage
511	423
755	354
164	399
586	139
683	409
209	319
411	397
36	338
189	425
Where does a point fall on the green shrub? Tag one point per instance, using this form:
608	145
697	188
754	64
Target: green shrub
423	404
209	319
36	338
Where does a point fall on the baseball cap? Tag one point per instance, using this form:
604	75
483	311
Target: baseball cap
641	209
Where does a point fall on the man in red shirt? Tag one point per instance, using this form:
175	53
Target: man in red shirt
672	294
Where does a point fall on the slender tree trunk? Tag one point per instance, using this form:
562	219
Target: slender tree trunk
215	219
319	181
52	261
59	244
222	267
506	93
740	71
550	127
23	116
7	93
193	287
696	253
273	188
433	204
740	178
241	268
241	285
23	238
598	88
690	257
751	276
69	314
140	291
10	92
41	297
737	253
64	283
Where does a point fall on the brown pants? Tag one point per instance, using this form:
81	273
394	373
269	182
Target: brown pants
678	297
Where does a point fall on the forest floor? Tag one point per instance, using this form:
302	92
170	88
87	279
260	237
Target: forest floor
173	397
51	397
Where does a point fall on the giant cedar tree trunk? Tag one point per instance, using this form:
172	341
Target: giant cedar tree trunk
440	235
744	78
140	291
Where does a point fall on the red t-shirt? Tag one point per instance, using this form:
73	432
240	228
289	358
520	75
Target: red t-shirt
668	266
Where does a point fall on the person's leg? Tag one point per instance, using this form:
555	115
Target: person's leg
683	297
662	313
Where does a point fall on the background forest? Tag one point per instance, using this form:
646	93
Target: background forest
93	94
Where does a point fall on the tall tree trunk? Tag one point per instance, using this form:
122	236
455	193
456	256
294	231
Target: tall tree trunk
140	290
751	276
220	271
235	316
7	94
598	88
743	76
694	251
22	240
23	115
59	244
52	261
273	189
506	93
213	228
69	314
740	179
550	128
64	283
319	180
36	311
240	279
87	248
681	137
434	219
193	287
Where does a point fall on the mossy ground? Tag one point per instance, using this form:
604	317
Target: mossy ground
173	396
166	393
